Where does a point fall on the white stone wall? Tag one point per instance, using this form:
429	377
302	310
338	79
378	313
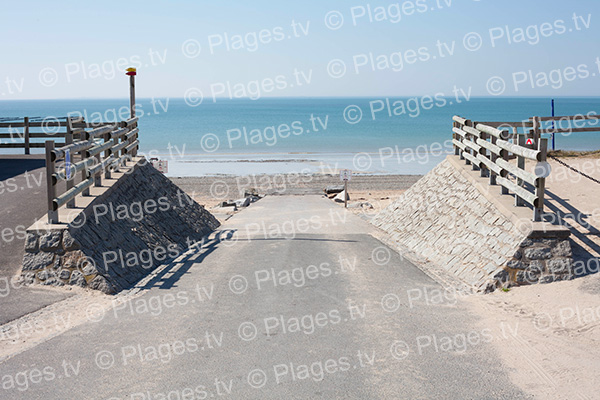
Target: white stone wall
446	219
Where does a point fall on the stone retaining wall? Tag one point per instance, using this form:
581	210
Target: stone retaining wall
445	218
139	223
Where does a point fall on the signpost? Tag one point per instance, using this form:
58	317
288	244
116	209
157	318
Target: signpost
160	165
345	176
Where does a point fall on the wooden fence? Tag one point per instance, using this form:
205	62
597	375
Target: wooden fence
99	150
25	132
489	149
574	124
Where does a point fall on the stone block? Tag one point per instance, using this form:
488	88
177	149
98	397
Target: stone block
69	243
526	243
559	265
64	274
51	241
562	249
77	279
518	255
526	277
42	275
536	266
538	253
515	264
37	261
100	283
31	242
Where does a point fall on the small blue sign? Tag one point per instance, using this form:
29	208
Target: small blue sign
68	164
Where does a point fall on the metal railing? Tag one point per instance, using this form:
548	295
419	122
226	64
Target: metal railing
100	150
490	150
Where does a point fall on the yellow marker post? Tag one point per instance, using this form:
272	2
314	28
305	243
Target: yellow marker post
132	72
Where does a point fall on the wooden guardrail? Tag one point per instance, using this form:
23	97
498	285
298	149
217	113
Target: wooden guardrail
25	132
575	124
489	149
98	150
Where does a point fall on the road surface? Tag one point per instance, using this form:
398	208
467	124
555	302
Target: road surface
297	300
23	199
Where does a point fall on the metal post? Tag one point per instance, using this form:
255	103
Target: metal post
50	187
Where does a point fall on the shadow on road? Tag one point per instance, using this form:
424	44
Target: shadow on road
162	280
10	167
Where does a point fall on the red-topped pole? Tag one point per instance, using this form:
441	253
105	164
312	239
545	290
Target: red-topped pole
132	73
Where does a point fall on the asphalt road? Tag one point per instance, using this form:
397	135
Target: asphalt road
23	201
320	310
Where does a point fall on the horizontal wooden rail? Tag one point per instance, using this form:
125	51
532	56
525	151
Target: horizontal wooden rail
20	145
569	117
495	124
489	149
98	150
570	130
71	193
519	150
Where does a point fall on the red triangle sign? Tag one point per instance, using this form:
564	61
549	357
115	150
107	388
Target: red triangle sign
529	141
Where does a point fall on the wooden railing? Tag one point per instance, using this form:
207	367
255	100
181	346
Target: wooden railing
100	150
575	124
489	149
19	132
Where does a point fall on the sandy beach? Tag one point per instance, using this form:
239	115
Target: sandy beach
377	190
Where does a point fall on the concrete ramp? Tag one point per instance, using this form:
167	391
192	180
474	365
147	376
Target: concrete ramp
140	222
455	220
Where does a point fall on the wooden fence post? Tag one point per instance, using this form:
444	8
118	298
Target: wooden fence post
50	188
483	151
71	179
503	172
107	174
84	136
540	187
519	202
494	157
536	132
26	134
455	136
135	137
470	124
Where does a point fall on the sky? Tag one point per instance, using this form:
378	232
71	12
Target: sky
211	49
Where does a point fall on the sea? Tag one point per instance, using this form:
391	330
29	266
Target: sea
399	135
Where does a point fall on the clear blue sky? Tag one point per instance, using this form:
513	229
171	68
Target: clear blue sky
73	49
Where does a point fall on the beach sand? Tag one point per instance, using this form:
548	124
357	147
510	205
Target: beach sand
377	190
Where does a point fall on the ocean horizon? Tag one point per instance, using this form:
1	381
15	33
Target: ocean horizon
374	135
